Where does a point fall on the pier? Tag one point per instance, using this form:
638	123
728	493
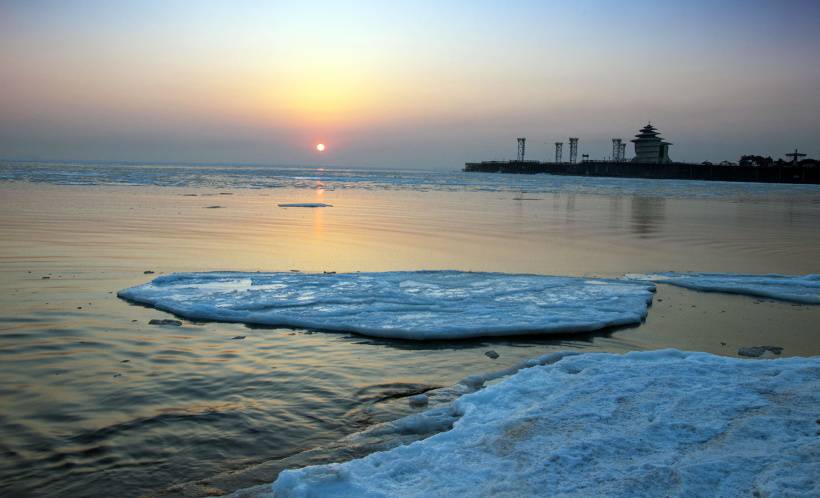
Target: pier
652	161
789	173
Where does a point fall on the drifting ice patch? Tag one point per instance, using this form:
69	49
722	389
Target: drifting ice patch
656	423
409	305
796	288
305	205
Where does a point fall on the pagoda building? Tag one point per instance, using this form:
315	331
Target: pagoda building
650	147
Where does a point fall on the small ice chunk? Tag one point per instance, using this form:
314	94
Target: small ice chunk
797	288
758	351
473	381
654	423
418	400
419	305
305	205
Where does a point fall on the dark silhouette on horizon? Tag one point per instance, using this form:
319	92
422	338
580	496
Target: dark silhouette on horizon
652	160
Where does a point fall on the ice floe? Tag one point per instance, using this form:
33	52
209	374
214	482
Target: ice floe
796	288
409	305
657	423
305	205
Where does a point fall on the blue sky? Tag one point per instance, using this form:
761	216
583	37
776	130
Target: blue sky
403	84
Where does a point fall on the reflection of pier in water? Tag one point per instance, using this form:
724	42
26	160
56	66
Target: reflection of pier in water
648	214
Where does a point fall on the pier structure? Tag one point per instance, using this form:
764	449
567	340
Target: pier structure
652	161
522	147
795	156
573	150
616	150
650	148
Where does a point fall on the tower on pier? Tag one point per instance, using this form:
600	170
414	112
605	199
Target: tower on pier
650	147
795	156
616	150
522	148
573	150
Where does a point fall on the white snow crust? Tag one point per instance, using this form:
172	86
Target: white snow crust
795	288
409	305
657	423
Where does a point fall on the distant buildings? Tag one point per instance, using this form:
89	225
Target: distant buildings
650	147
754	161
652	161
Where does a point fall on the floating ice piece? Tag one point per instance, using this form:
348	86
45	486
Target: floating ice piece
409	305
796	288
758	351
657	423
305	205
418	400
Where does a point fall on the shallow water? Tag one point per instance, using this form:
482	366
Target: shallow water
95	401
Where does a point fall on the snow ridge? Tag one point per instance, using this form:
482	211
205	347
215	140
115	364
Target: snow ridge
656	423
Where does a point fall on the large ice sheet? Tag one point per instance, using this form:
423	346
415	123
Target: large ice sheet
659	423
410	305
796	288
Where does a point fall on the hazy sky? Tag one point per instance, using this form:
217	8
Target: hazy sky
404	84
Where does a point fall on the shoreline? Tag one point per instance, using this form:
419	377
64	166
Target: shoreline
416	425
639	423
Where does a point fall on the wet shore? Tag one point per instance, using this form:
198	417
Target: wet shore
97	398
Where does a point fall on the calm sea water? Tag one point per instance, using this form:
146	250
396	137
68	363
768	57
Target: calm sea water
94	401
271	177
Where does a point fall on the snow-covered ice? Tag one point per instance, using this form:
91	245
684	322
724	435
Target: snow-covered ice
796	288
409	305
657	423
305	205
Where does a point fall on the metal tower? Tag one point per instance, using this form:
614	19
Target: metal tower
795	156
573	150
616	149
559	150
522	147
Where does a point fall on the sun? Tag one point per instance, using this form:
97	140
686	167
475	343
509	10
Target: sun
320	147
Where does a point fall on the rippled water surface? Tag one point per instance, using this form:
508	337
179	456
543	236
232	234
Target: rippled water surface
95	401
270	177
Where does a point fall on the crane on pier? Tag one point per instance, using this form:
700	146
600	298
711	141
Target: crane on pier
795	156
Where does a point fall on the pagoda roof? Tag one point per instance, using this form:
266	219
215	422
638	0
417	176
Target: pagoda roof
648	132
